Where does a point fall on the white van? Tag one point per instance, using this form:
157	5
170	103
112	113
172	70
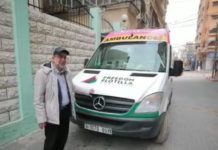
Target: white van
132	77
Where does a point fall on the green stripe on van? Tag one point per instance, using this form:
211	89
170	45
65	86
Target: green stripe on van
130	113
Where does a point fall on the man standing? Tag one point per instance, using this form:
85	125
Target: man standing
54	99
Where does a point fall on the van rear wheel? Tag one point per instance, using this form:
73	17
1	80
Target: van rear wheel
164	131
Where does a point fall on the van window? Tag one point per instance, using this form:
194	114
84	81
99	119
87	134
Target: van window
139	56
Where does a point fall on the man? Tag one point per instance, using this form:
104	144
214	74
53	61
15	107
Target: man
54	98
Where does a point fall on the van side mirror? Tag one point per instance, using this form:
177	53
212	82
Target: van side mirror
177	68
86	61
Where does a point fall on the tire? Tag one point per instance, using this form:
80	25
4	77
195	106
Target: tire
164	131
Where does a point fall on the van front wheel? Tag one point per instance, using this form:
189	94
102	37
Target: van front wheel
164	131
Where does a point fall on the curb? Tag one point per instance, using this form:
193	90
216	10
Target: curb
212	80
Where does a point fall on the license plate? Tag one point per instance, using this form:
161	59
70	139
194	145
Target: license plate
98	129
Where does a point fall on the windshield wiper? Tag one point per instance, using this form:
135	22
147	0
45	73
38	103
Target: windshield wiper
118	69
93	68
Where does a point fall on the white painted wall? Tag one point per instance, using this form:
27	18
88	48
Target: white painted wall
208	64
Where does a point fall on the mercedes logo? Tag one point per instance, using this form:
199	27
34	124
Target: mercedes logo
99	103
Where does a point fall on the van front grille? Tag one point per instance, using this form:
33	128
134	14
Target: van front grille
112	104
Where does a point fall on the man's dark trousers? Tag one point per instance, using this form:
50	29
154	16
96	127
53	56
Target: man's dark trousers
57	135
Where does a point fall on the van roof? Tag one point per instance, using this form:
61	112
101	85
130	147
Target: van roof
138	35
140	31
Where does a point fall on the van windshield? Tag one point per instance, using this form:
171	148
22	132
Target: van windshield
138	56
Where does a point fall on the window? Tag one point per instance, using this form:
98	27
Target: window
211	43
67	3
139	56
117	63
114	1
93	2
106	2
215	3
103	2
214	17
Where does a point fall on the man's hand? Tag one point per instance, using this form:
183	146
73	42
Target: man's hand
42	125
91	91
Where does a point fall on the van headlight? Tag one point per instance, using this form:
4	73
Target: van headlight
150	103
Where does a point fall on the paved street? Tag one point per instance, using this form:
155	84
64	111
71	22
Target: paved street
193	119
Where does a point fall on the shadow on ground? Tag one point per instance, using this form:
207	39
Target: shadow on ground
80	139
86	140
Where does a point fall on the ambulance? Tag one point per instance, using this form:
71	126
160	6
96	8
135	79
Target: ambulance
131	73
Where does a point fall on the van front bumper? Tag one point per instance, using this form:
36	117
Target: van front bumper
144	128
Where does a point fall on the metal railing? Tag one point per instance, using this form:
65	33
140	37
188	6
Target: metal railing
106	26
68	10
211	43
134	3
95	3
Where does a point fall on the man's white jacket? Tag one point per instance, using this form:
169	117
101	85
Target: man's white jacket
46	102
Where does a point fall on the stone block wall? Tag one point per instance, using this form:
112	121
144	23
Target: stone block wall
48	32
8	84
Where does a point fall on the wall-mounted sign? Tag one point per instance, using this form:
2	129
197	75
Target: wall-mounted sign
189	55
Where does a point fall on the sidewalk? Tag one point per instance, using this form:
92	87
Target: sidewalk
203	71
78	139
208	75
33	141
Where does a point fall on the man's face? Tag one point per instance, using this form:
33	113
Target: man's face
60	60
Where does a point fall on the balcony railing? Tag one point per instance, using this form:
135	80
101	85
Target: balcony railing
68	10
211	44
213	30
